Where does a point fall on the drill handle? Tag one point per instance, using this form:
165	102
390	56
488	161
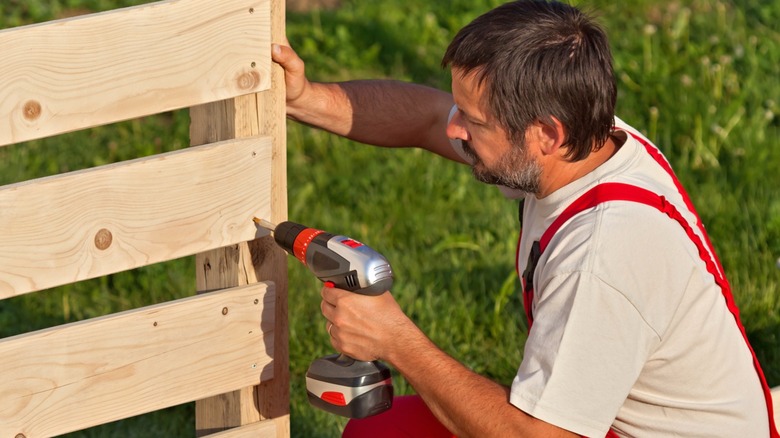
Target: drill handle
351	283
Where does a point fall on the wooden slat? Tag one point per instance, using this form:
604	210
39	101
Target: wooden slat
262	429
274	394
90	372
258	259
90	223
91	70
260	114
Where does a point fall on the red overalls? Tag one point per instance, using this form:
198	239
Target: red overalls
606	192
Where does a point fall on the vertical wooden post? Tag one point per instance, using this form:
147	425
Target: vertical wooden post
261	259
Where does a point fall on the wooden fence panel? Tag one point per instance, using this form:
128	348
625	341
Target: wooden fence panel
67	378
92	70
95	222
66	75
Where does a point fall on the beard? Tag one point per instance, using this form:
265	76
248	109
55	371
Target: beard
515	169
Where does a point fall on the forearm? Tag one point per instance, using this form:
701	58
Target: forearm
468	404
375	327
379	112
462	400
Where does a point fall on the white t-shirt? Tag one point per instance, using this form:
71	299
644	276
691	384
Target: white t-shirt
630	331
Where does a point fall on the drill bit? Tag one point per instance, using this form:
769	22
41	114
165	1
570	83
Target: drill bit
265	224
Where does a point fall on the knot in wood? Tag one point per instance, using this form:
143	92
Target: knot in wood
249	80
32	110
20	435
103	239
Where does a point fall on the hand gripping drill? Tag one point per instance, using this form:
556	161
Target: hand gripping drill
337	383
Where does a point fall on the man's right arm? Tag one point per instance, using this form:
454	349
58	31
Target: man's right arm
378	112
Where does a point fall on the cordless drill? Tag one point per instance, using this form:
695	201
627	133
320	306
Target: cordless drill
337	383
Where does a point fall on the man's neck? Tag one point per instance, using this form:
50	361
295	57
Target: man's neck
559	172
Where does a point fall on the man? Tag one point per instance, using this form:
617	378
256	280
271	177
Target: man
631	333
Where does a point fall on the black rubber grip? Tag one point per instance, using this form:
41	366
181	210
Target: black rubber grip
285	234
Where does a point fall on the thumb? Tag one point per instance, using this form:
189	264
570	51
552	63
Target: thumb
285	55
294	70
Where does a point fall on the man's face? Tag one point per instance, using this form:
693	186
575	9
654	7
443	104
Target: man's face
495	160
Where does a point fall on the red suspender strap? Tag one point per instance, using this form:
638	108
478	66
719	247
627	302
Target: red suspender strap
716	269
626	192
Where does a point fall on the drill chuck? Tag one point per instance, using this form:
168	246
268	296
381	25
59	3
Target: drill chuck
339	260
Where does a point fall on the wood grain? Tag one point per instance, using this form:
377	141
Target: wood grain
262	429
274	395
71	377
260	259
91	70
85	224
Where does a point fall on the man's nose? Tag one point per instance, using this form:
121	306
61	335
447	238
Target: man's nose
455	128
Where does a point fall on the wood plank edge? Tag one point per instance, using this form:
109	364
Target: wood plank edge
261	429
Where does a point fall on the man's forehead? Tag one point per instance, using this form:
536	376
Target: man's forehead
473	78
468	90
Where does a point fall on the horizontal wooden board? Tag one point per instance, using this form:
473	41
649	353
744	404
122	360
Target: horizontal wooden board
91	372
90	223
261	429
96	69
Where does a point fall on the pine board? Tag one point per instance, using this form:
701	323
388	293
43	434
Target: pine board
96	69
82	374
85	224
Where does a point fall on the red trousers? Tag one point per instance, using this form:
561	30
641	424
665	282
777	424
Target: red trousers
409	417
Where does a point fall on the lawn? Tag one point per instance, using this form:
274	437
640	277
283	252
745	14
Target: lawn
700	78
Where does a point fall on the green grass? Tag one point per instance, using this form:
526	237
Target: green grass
700	78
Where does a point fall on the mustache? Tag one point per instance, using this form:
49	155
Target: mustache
469	150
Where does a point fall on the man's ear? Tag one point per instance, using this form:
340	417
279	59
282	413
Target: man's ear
551	135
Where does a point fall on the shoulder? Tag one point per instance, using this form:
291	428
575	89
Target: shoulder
613	231
634	249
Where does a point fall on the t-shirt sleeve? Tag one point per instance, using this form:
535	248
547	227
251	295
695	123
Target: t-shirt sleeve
584	352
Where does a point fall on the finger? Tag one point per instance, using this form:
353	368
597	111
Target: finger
276	51
327	296
328	310
287	58
331	294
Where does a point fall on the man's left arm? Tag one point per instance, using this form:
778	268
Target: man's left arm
375	328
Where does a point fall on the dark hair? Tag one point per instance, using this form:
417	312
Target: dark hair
539	59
